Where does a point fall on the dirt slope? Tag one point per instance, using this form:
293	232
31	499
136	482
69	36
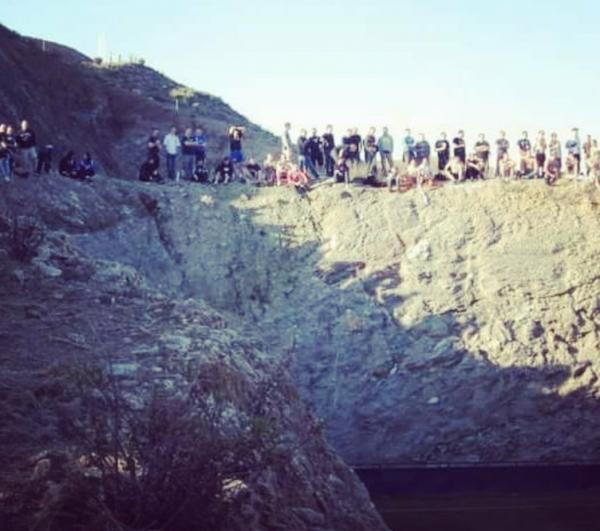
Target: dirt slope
74	103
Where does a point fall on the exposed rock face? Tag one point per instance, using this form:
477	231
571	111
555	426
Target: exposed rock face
67	305
463	330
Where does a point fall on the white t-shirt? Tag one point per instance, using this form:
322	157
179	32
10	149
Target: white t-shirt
172	143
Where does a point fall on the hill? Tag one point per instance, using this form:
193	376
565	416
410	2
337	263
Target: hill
74	102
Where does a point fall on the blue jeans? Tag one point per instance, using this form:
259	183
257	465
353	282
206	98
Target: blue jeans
310	167
171	165
5	167
189	162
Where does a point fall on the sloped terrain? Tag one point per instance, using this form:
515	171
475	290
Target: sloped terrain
73	103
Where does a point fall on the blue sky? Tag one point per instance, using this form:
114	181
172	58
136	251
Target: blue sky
428	64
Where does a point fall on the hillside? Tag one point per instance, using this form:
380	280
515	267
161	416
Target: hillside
73	102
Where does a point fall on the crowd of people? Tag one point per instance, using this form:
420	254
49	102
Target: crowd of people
21	156
373	159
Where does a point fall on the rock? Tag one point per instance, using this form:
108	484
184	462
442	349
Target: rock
421	251
309	516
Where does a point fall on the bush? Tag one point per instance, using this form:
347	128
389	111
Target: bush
22	237
171	461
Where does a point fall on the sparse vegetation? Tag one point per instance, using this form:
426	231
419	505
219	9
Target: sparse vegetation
22	237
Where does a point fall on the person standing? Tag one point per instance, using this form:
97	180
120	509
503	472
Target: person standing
328	147
355	143
555	149
573	146
502	147
524	146
370	148
588	147
422	150
4	155
482	150
236	134
386	151
200	148
442	148
188	153
408	153
460	149
172	146
540	147
314	148
286	142
301	145
154	145
26	144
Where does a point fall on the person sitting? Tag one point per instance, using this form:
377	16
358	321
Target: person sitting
455	170
424	173
67	165
552	170
282	171
475	167
506	167
298	178
342	170
527	167
269	173
253	169
224	171
87	167
149	172
200	174
409	178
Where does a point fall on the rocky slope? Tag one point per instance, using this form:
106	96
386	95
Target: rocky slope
68	315
74	103
463	330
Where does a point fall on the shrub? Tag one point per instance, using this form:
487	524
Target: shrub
23	237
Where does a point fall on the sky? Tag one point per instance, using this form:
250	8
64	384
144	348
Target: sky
430	65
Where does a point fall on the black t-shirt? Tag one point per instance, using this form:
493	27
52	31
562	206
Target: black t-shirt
153	150
26	139
524	144
225	168
328	142
355	140
67	166
459	146
314	145
188	149
444	145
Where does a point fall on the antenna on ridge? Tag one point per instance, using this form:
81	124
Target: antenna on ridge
102	47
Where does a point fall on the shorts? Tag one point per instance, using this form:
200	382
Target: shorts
540	159
237	156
